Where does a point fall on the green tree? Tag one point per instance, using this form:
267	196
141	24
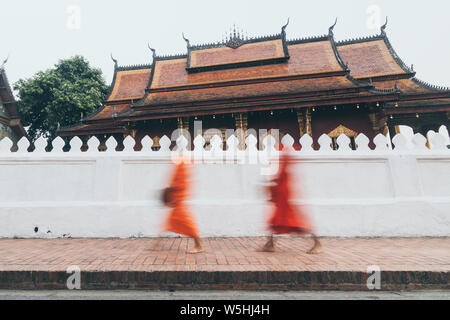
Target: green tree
59	95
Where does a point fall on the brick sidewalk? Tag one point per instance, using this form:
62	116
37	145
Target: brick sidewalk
227	263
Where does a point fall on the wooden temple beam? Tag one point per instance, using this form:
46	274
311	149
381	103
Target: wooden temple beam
425	96
423	109
230	108
339	95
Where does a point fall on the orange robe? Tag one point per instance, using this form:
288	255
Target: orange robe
180	219
286	217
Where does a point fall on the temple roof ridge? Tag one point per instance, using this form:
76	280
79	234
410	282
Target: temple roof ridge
380	36
359	39
343	65
171	56
307	39
134	67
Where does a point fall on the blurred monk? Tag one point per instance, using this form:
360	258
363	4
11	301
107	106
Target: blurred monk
180	219
287	218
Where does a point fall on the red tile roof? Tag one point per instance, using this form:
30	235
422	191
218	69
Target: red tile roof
108	111
98	128
258	51
249	90
306	58
369	59
129	84
314	68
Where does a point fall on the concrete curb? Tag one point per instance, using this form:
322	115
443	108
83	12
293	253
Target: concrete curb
226	280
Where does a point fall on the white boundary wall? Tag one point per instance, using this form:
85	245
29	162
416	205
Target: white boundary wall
381	192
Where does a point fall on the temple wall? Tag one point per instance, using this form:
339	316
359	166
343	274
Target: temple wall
392	193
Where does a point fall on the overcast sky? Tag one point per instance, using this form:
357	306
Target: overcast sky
36	34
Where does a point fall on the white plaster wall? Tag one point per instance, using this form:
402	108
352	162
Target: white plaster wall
382	192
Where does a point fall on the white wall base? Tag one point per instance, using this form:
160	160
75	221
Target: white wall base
145	219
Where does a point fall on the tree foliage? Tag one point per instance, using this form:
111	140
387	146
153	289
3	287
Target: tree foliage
60	95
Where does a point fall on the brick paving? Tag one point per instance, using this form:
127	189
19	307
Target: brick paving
226	263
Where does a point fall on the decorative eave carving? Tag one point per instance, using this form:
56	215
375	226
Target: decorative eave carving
430	86
330	29
383	27
115	62
342	130
2	67
235	40
283	28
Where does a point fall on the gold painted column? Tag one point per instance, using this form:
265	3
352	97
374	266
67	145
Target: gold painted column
301	122
304	121
183	123
241	122
308	123
378	120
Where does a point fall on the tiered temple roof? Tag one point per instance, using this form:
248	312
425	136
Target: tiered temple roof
267	73
8	111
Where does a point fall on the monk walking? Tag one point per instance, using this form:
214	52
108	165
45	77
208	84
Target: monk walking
180	219
286	217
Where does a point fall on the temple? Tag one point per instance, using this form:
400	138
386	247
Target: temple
310	85
10	124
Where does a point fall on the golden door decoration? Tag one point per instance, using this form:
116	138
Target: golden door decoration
334	134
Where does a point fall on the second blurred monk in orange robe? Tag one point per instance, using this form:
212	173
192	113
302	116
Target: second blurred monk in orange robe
287	218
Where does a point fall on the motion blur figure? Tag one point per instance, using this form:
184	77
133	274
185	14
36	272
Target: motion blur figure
180	219
286	217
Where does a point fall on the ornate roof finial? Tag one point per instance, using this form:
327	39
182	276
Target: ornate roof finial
235	39
383	27
4	62
330	29
283	28
412	67
187	40
58	126
152	50
115	61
